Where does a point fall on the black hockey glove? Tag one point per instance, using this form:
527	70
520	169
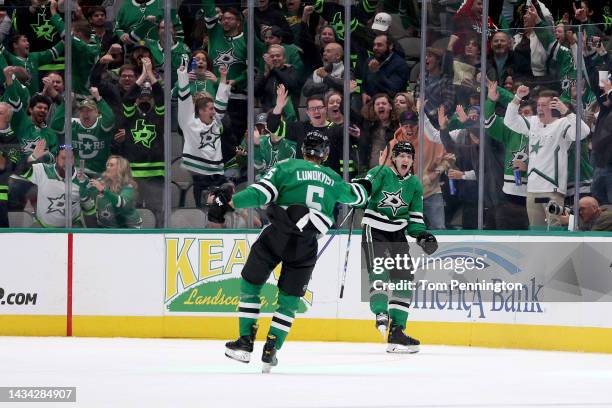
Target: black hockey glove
428	242
218	208
367	184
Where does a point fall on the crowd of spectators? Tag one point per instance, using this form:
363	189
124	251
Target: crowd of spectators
117	151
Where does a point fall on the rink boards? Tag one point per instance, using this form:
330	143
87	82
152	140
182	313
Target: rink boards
177	284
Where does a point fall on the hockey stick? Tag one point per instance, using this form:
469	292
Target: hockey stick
346	256
352	212
334	233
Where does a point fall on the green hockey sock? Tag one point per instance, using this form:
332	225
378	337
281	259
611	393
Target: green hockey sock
378	302
283	317
248	308
398	311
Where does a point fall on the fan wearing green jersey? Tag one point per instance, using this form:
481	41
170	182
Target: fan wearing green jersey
92	131
394	209
301	195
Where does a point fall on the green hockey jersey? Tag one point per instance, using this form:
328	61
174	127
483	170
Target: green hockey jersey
32	63
395	203
27	132
267	154
516	147
116	210
131	20
229	51
180	52
206	87
84	56
300	182
90	144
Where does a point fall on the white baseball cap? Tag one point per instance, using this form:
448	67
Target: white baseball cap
382	22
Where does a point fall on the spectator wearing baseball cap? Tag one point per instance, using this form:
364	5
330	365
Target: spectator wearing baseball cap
382	22
386	71
435	163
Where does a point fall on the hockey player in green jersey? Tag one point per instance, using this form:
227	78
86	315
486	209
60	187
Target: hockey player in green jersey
394	209
92	131
309	192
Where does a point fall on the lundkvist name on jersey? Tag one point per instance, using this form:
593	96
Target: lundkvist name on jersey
313	175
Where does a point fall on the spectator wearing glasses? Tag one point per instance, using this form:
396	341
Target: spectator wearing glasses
317	121
113	89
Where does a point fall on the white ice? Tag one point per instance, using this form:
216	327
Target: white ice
195	373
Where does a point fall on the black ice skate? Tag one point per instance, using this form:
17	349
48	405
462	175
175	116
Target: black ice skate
241	349
399	342
269	354
382	323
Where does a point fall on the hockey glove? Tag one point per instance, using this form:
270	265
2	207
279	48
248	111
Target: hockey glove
367	184
428	242
218	208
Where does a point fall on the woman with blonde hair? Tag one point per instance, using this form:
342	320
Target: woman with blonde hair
115	194
404	101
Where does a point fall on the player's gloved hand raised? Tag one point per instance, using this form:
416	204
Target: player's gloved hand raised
367	184
428	242
218	208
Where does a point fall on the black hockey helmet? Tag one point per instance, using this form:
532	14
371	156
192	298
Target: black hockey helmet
403	147
315	144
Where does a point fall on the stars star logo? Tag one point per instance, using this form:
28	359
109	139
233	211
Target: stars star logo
226	57
28	146
208	139
535	148
57	204
393	201
143	133
43	28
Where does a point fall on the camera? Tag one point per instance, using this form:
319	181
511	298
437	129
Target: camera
555	209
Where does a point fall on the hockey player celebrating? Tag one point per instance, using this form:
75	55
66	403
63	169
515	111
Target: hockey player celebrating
395	206
309	192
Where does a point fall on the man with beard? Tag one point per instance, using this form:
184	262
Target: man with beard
227	45
51	204
386	71
330	76
140	138
103	29
29	131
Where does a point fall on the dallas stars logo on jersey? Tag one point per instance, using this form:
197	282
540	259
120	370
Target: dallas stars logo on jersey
225	57
394	201
89	145
57	204
208	139
43	28
28	146
144	133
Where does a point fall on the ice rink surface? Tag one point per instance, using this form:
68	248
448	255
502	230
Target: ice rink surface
195	373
